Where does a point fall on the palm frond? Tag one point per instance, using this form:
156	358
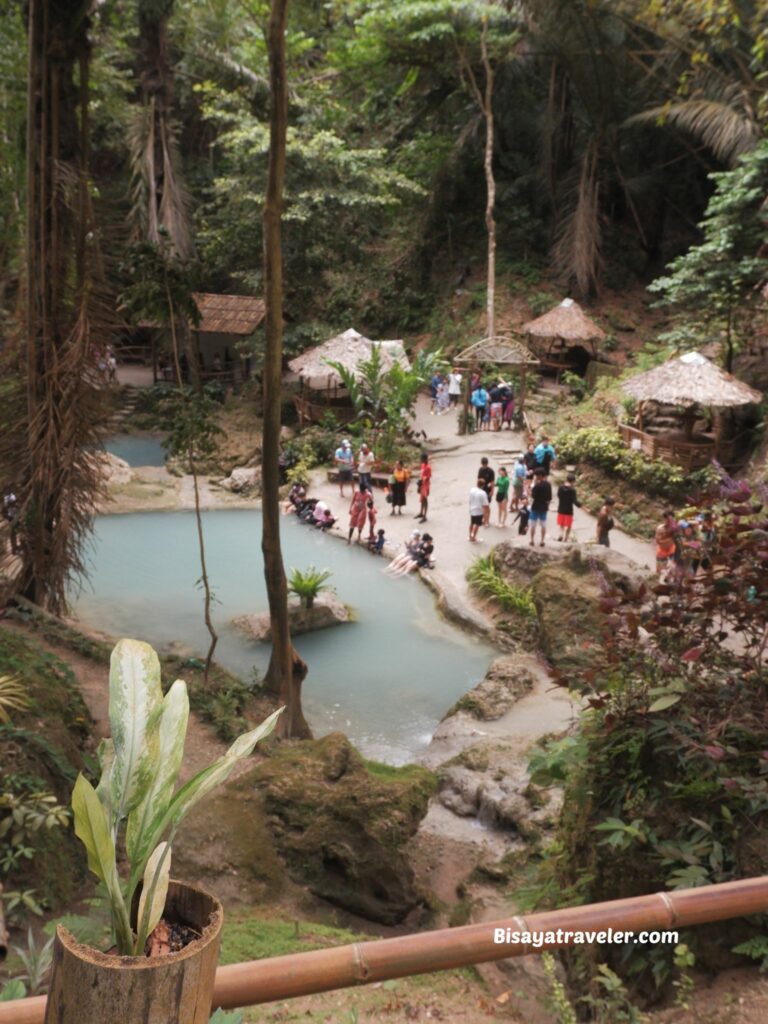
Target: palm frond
12	697
576	255
726	128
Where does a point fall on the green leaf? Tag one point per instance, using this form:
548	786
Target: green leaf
135	706
153	894
172	733
665	702
13	989
200	785
92	828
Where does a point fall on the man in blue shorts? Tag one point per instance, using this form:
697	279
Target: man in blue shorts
541	496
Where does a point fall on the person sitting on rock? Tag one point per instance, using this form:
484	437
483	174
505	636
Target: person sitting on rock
419	558
376	544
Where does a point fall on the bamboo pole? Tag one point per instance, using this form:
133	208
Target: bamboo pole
299	974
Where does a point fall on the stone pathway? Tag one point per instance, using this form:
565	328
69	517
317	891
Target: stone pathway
455	461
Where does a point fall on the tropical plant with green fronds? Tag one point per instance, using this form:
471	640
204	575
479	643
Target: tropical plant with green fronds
485	578
12	697
136	805
307	585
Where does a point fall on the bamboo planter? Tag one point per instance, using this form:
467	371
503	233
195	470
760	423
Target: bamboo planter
89	987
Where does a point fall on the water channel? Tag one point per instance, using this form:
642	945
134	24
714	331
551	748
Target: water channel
385	680
137	449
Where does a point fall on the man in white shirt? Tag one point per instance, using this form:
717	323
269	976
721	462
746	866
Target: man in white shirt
478	501
365	461
454	386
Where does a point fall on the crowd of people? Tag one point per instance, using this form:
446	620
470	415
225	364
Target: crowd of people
493	404
685	545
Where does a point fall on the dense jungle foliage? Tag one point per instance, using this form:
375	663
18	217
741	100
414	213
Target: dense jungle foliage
608	119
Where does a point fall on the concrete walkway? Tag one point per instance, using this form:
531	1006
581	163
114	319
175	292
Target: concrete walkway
455	461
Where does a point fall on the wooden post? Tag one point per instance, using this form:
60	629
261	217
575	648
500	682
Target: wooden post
522	388
89	987
465	428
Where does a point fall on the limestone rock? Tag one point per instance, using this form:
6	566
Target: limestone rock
490	782
504	684
114	469
327	611
566	594
243	480
341	824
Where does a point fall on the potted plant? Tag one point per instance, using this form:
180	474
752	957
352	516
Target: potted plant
308	584
166	934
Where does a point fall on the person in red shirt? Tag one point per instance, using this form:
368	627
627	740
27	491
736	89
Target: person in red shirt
425	481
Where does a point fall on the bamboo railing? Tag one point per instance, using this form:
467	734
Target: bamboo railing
300	974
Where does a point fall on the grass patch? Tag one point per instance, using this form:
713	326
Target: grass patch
248	937
485	579
391	773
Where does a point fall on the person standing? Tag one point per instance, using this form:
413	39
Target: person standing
344	460
666	544
497	406
435	382
605	522
502	495
545	455
508	397
358	512
519	474
478	502
541	498
425	483
454	386
365	463
529	458
566	499
442	397
372	516
479	402
487	475
399	485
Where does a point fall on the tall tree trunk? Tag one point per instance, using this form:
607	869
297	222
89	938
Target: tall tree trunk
45	452
490	183
286	669
163	214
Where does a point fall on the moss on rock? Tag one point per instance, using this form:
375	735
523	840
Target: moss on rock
342	823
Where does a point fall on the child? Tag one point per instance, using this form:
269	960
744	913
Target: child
376	544
371	519
442	398
523	514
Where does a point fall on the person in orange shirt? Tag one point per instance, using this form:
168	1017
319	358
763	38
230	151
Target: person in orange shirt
399	485
425	481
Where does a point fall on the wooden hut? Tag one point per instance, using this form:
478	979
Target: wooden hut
501	350
689	385
225	320
564	338
321	388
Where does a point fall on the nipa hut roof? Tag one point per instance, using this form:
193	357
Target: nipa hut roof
501	350
567	321
350	349
229	314
690	379
224	314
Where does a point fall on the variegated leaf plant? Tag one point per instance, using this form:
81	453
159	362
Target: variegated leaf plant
136	795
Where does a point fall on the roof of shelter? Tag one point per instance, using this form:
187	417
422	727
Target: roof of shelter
690	379
501	349
350	349
228	314
567	321
224	314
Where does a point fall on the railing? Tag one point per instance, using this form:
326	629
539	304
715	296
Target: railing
689	455
301	974
313	412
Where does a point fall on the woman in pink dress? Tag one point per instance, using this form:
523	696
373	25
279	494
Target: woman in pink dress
358	512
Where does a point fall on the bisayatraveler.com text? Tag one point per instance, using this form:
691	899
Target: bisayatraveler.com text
565	937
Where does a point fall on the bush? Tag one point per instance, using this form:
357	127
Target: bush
603	447
308	584
485	578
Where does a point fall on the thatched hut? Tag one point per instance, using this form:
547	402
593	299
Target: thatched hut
686	386
321	387
501	350
565	337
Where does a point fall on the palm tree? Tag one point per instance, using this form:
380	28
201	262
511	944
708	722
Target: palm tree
52	406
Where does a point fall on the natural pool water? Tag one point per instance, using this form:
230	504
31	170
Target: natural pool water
137	450
385	680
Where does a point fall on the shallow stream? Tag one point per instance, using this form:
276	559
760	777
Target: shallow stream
385	680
